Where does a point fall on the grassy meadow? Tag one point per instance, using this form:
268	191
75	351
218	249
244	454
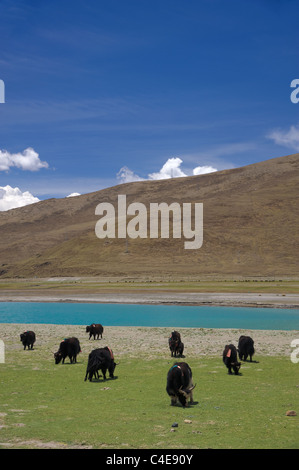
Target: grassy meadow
44	405
90	285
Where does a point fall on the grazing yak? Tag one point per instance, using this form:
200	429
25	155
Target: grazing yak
70	347
245	348
175	344
230	359
180	384
100	359
96	329
28	339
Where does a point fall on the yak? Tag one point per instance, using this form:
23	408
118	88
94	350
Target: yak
28	339
175	344
245	348
96	329
100	359
70	347
180	384
230	359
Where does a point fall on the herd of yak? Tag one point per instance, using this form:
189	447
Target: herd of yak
179	378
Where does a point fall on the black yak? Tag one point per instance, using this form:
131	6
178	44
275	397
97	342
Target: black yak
70	347
96	329
230	359
245	348
180	384
100	359
175	344
28	339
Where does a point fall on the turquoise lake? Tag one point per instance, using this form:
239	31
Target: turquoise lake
149	315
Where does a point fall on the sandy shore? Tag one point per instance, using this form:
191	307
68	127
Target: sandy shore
150	341
213	299
147	342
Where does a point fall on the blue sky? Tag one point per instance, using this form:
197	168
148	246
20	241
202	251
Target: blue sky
93	87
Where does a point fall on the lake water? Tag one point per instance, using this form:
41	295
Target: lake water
150	315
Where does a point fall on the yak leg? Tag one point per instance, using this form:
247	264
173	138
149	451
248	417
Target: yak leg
174	400
92	373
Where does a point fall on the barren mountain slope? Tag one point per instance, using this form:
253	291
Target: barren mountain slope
250	229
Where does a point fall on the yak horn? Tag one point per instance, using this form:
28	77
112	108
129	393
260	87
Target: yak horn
183	392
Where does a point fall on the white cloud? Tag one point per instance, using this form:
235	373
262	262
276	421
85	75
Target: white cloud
170	169
27	160
288	138
202	170
74	194
125	175
11	198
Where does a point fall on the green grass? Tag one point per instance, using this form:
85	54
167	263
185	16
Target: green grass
132	285
41	402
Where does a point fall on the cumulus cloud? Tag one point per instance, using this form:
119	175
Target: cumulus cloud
27	160
74	194
288	138
125	175
170	169
202	170
11	198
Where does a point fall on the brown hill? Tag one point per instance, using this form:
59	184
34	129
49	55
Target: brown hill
250	229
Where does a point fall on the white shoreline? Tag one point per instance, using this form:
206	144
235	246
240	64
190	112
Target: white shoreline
288	301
